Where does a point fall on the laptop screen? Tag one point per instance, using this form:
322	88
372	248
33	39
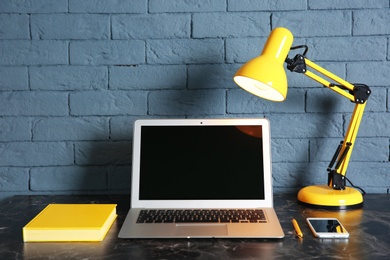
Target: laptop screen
201	163
192	163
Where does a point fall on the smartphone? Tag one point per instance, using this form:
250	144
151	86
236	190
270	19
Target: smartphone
327	228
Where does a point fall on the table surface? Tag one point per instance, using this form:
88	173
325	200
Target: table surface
369	230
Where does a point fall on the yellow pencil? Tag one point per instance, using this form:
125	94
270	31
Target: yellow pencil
298	231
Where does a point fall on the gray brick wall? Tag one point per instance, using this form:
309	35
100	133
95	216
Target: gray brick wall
74	75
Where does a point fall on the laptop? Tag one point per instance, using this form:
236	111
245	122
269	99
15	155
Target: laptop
201	178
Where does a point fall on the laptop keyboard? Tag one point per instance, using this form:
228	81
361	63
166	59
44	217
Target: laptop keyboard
202	216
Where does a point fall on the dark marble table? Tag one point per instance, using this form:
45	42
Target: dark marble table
369	230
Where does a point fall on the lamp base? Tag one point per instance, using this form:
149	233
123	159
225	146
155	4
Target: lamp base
324	196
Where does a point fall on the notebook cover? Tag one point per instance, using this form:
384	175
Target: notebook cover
70	222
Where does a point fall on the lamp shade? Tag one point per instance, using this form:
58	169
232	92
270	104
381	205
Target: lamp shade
264	76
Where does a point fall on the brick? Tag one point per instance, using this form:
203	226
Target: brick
212	76
69	78
336	23
290	150
71	178
371	22
242	50
119	178
374	125
239	101
148	77
306	125
14	26
107	52
377	100
369	175
33	6
369	73
103	153
20	52
187	102
345	48
297	80
108	6
14	179
70	26
245	24
32	103
365	149
13	78
164	6
151	26
303	174
297	175
28	154
88	103
15	129
356	4
122	127
69	129
376	190
266	5
327	101
183	51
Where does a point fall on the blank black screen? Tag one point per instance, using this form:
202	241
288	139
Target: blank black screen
200	163
325	225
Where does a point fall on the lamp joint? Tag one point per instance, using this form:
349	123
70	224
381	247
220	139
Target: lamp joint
337	180
361	93
297	64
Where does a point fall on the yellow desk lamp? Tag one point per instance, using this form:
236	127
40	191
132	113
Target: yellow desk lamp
264	76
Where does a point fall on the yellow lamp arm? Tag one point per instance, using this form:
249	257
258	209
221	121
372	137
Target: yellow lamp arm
331	76
351	135
357	93
336	177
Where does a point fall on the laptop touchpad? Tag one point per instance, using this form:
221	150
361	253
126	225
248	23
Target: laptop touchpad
200	230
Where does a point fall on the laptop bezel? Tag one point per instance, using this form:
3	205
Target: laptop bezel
267	202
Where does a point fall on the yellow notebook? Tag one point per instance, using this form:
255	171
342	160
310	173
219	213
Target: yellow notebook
70	222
